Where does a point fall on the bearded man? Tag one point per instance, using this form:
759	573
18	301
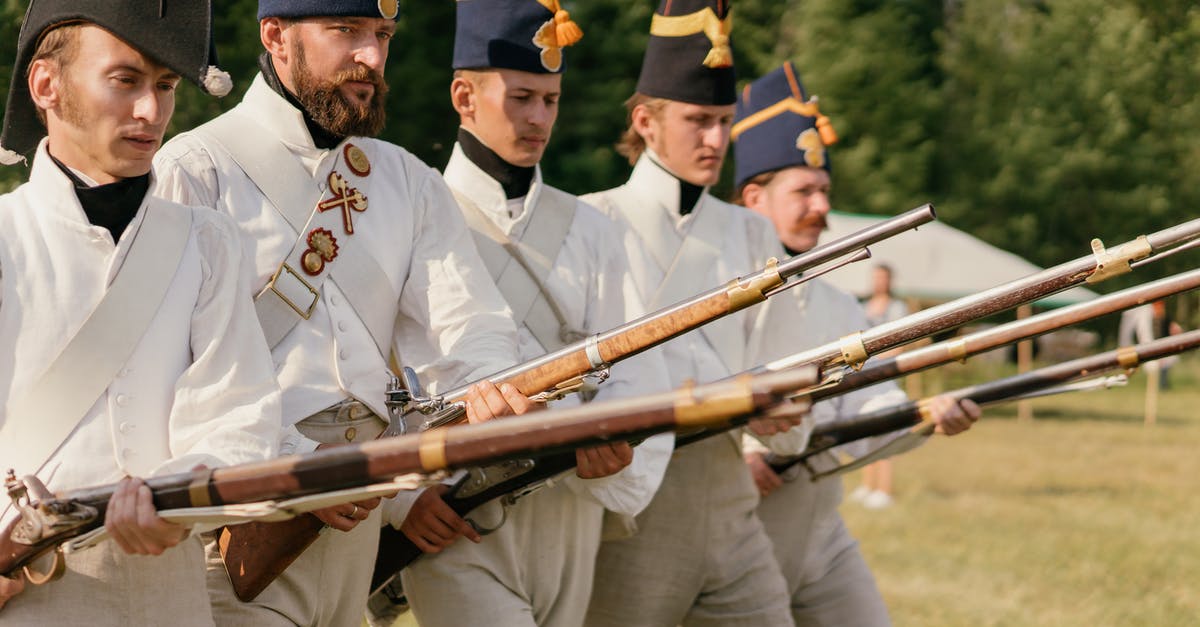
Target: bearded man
361	258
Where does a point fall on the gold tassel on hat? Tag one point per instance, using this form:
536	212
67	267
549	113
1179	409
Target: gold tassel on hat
702	21
825	128
566	31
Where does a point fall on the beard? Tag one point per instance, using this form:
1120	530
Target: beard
329	108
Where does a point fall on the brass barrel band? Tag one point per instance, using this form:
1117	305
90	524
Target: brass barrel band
198	489
742	294
432	449
1127	357
957	350
1112	262
854	351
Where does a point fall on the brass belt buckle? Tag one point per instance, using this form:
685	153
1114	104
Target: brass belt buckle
304	312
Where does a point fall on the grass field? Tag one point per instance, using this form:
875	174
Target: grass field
1081	517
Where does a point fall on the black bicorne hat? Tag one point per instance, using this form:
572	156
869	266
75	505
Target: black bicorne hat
689	57
525	35
175	33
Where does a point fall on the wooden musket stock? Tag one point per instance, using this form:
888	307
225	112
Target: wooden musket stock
44	517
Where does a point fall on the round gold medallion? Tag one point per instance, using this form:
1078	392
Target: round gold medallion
357	160
312	262
389	8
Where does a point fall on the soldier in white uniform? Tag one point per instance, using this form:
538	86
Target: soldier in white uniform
699	555
359	257
561	266
130	348
782	173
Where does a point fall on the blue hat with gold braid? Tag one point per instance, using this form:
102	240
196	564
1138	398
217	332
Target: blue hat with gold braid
388	9
689	57
525	35
778	126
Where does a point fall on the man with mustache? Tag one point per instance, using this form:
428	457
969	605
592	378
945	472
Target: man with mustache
130	349
562	269
699	555
360	258
782	173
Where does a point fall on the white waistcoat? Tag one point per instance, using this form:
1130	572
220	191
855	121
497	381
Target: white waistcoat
198	388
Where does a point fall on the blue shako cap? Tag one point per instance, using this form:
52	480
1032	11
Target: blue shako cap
174	33
689	57
778	126
318	8
525	35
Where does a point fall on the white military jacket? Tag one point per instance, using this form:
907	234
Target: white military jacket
647	209
198	388
452	325
591	282
821	313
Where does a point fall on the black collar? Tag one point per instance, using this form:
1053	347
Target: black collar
515	180
322	138
113	205
689	194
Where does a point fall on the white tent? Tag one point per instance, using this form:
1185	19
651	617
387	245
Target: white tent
936	262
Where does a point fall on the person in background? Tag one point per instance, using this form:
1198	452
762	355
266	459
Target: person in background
882	306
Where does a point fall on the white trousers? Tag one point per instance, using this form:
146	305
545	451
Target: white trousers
103	586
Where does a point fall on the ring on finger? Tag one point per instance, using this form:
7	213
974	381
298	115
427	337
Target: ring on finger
354	512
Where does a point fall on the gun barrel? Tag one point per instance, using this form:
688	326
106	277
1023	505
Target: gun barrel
1000	298
603	349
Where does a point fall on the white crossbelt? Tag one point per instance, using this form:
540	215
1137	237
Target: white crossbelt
686	264
51	409
520	268
289	298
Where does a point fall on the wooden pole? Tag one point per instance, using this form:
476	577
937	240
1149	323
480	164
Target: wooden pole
1153	378
1024	364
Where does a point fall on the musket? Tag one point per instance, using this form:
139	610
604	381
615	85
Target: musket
46	520
481	485
1050	379
567	369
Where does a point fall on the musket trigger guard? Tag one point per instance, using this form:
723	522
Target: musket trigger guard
483	531
57	567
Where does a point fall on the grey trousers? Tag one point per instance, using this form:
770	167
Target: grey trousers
828	580
103	586
534	571
700	557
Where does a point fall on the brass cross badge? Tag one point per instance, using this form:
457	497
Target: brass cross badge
345	198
